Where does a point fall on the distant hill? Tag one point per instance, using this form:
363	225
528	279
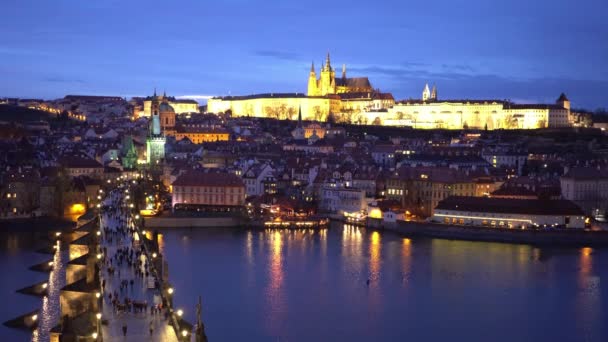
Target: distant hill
21	114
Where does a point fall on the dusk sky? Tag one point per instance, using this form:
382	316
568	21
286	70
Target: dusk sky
526	51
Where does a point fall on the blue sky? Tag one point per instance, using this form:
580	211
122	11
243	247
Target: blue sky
526	51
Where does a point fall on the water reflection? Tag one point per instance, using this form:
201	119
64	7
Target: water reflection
274	292
406	260
374	258
312	286
589	297
50	311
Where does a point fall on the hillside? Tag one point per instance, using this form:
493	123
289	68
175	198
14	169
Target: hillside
21	114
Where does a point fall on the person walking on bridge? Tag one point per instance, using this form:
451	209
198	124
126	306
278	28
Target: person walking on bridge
151	327
124	329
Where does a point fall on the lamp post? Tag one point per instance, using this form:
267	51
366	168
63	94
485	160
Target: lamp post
98	316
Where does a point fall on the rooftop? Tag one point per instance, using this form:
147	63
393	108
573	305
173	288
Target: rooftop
510	206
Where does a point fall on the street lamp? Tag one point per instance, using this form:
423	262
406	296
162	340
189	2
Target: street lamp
94	335
154	255
170	290
180	312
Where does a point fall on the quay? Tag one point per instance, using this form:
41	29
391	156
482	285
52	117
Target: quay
562	237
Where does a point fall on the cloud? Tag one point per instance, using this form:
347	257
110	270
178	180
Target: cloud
63	80
277	54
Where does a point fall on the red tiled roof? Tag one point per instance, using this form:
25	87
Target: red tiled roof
199	178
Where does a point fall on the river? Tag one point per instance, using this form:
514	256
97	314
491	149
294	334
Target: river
17	254
312	285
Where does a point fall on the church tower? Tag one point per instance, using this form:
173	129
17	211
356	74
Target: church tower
312	81
434	93
327	83
426	93
155	142
563	101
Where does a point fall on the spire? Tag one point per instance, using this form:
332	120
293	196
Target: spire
344	71
154	91
327	62
426	93
300	116
312	67
164	93
434	92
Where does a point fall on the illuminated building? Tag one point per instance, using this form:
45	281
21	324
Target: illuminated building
354	100
200	135
344	97
327	83
508	213
431	113
196	189
155	142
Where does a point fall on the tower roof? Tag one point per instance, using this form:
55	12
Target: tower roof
165	107
562	98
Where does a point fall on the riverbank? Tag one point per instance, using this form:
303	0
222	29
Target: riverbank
555	237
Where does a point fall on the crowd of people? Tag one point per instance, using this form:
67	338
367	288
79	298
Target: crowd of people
125	264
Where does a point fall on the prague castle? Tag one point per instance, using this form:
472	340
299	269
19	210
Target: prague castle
343	97
354	100
430	112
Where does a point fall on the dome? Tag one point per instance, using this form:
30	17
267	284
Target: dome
165	107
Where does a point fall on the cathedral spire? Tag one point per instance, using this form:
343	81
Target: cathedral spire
164	93
327	62
154	91
312	67
426	93
344	71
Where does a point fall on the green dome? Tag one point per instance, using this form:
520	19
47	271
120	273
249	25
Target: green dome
165	107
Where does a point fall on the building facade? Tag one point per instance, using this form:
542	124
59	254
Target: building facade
587	187
194	189
433	113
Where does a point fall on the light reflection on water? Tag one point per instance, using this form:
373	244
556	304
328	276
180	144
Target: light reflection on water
311	285
50	310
